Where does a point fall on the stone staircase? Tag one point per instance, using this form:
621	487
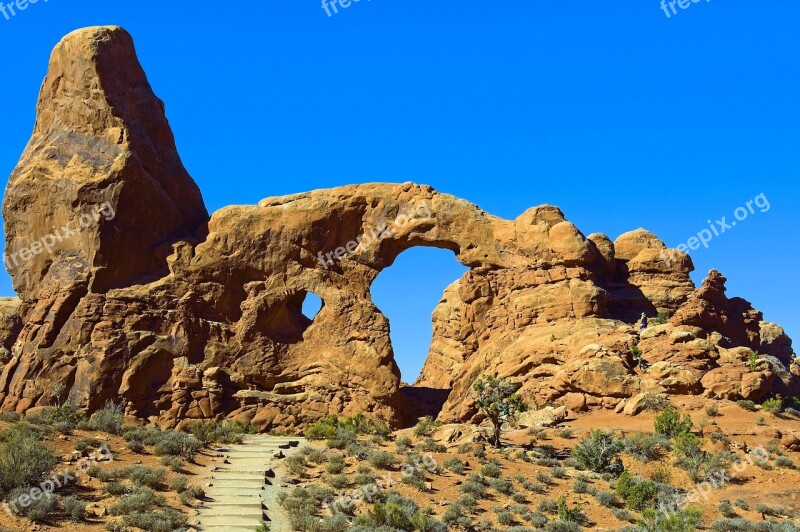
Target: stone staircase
242	486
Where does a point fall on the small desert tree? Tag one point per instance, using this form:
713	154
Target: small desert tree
498	400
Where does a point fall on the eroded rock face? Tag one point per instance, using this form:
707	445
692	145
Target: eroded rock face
185	317
100	192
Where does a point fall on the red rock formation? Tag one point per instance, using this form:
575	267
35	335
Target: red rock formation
185	317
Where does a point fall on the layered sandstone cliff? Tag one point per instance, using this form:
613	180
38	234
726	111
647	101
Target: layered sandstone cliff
182	316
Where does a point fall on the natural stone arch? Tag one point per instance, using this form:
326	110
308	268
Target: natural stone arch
188	317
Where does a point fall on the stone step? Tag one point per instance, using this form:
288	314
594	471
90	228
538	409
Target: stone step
244	484
256	513
237	475
244	503
232	528
228	521
227	492
255	449
249	461
226	527
230	469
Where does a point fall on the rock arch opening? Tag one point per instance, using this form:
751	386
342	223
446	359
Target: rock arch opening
409	293
312	304
287	320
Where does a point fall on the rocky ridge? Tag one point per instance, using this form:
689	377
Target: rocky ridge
185	316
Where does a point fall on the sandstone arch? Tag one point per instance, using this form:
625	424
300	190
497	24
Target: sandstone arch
183	316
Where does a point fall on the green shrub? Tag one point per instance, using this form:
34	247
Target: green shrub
104	475
772	511
397	513
473	488
138	500
326	428
747	405
383	460
115	489
191	493
341	439
296	466
670	424
570	515
661	318
684	520
636	492
429	445
337	481
165	520
24	461
697	463
74	508
178	483
86	444
645	447
38	510
501	485
335	467
726	508
623	515
108	419
175	463
492	470
360	450
177	444
537	519
455	465
504	517
416	478
772	406
562	526
599	452
655	402
135	446
519	498
547	506
146	435
425	427
314	455
580	486
226	432
403	444
607	499
145	476
323	429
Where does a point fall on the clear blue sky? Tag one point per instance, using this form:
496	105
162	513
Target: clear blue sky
610	110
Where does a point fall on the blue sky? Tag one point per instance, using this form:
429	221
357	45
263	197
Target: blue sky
610	110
